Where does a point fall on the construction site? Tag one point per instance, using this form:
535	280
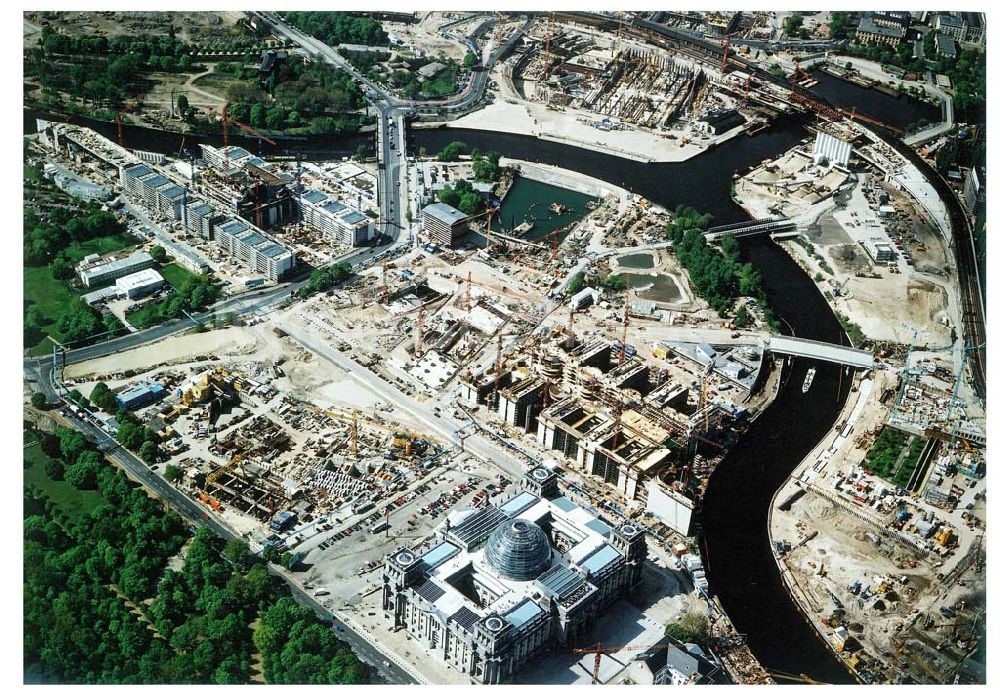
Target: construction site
879	536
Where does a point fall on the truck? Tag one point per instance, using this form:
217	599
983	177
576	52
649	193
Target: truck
320	591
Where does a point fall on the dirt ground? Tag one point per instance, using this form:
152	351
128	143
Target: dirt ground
425	36
880	306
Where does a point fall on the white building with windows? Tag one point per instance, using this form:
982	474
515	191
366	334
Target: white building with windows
254	249
339	223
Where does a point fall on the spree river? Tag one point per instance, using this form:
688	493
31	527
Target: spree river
736	549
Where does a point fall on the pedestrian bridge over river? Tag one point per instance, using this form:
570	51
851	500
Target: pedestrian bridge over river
816	350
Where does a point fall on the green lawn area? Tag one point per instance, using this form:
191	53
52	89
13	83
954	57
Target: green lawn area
146	316
218	83
76	504
886	450
102	245
176	275
909	462
52	297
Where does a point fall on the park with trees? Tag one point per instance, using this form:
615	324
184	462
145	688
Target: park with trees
102	607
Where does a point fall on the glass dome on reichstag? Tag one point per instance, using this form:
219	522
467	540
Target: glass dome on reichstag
518	550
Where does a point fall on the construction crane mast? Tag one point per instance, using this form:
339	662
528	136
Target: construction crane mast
418	347
547	65
621	350
497	367
725	54
354	434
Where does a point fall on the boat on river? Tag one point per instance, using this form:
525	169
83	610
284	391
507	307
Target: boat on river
809	379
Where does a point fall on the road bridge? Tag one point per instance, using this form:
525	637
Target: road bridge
814	349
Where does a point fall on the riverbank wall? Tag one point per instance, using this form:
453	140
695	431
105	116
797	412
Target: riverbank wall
564	178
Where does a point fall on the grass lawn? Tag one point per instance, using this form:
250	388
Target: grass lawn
176	275
53	298
102	245
146	316
76	504
218	83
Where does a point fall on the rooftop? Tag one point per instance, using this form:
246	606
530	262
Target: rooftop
444	213
868	26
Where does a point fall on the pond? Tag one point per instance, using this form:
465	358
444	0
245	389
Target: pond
636	260
654	286
528	201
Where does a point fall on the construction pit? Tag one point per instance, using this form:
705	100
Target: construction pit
602	91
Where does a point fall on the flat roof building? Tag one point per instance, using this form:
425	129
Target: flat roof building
107	273
153	189
443	223
254	249
139	284
506	583
139	396
340	223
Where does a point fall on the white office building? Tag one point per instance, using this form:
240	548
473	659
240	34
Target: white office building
339	223
254	249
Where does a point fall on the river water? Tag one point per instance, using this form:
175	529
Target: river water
898	112
738	558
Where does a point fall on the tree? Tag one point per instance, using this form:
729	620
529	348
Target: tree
451	152
38	400
257	116
72	444
173	473
236	552
692	627
103	398
470	60
149	451
130	434
270	553
54	469
61	269
83	475
158	253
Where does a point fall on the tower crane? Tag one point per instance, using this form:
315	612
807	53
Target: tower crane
599	649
